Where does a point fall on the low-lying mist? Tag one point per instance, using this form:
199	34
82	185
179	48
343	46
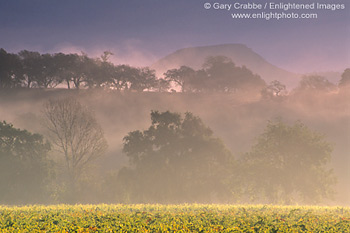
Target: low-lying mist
237	118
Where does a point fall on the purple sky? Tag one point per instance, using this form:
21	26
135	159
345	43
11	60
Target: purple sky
140	32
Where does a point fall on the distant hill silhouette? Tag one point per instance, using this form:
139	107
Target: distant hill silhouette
240	55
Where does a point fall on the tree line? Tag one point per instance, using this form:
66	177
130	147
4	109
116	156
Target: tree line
178	159
34	70
28	69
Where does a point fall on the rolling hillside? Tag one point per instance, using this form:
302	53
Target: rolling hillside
240	54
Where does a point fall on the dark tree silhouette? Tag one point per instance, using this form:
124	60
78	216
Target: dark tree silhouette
32	67
162	85
225	76
181	77
49	77
79	71
143	79
121	75
176	160
72	69
10	70
24	166
100	72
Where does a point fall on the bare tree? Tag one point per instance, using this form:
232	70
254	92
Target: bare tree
75	133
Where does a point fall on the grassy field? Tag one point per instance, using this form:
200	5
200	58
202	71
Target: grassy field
174	218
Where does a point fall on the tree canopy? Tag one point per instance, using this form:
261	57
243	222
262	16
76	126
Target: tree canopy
175	160
183	77
289	164
34	70
24	166
312	83
345	78
10	70
223	75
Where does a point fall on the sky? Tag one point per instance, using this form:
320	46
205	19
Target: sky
140	32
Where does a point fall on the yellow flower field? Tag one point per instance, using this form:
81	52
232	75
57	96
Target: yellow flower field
173	218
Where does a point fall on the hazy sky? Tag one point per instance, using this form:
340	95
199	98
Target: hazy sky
139	32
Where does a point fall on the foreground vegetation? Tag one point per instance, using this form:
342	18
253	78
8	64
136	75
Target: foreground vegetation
174	218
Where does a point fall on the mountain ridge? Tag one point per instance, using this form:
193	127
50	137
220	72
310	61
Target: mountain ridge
240	54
